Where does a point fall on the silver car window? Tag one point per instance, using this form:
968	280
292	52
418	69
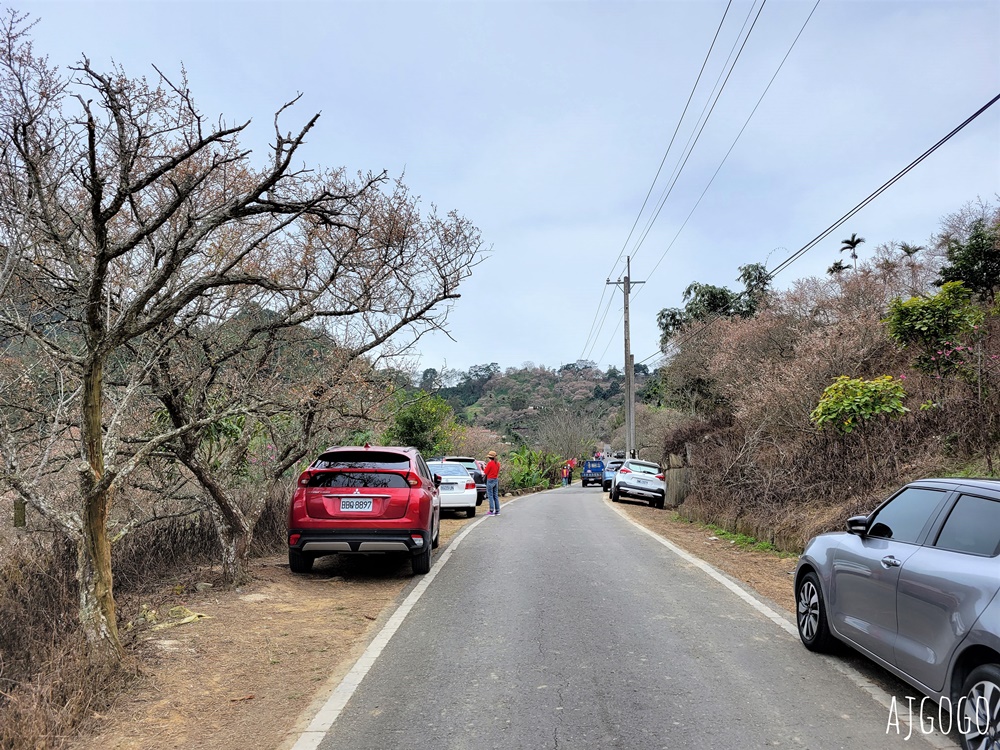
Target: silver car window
972	526
905	517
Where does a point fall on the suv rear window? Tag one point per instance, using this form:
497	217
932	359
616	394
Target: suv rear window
468	463
378	460
355	479
644	468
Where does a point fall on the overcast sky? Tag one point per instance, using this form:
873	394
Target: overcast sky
545	123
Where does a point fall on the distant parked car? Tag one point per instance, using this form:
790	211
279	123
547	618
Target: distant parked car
364	500
458	489
592	472
642	480
610	469
913	586
476	471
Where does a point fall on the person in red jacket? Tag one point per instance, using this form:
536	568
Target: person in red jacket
492	473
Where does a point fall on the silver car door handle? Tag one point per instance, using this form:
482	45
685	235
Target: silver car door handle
890	562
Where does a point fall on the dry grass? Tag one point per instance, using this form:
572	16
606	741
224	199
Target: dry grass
48	690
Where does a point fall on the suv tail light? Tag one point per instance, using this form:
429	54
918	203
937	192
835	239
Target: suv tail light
304	478
660	477
412	479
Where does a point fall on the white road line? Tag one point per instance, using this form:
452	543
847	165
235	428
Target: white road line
313	734
936	740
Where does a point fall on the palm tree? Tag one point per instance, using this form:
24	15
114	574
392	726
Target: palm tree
852	245
836	269
911	262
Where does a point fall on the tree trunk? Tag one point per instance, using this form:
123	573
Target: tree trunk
97	603
234	529
235	539
93	569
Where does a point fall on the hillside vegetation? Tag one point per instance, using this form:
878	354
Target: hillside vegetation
835	391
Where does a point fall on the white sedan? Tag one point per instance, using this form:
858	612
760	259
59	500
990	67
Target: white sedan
458	488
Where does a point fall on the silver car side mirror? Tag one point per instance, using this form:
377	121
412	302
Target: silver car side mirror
857	525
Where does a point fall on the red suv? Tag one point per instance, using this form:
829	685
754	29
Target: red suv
365	499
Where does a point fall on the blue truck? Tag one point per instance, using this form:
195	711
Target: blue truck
593	472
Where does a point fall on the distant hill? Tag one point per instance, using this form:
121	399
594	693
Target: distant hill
520	403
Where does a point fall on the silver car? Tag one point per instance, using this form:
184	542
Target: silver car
913	586
642	480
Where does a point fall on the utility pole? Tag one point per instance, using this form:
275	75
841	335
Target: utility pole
629	364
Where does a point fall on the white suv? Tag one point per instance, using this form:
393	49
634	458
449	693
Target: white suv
642	480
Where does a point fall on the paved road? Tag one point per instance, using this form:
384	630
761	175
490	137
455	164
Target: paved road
559	625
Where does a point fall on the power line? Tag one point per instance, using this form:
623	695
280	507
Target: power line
597	312
843	219
735	141
607	309
644	361
612	337
656	176
674	136
696	136
885	186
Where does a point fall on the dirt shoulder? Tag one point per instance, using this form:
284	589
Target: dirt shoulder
243	675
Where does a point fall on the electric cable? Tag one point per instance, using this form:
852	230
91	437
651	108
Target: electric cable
885	186
612	337
657	175
735	141
695	136
597	312
703	120
674	136
607	309
842	220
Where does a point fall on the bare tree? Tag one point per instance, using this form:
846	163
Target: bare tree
127	218
567	434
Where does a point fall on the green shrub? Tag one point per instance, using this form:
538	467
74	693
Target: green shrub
849	402
934	324
527	468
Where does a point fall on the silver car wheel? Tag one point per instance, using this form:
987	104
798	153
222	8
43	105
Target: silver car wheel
982	716
808	610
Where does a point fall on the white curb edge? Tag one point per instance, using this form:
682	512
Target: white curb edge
879	695
312	736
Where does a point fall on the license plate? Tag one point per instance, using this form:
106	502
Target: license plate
449	488
644	482
355	504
